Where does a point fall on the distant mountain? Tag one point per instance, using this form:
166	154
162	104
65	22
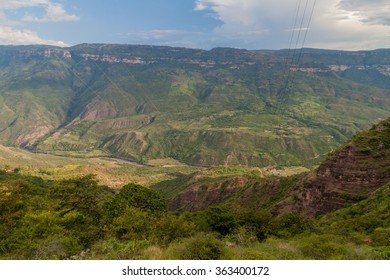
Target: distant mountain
224	106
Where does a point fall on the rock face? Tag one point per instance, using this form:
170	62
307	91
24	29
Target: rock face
217	107
199	197
349	175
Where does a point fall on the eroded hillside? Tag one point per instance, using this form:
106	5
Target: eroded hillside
350	174
223	106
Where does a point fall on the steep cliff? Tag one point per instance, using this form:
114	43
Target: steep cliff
350	174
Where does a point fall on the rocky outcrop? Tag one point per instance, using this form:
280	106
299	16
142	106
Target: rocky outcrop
200	196
126	145
349	175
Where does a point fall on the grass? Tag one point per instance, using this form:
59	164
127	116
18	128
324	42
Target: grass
111	172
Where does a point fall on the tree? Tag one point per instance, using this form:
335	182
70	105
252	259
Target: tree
132	195
221	219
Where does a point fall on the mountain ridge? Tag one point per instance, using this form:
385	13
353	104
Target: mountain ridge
202	103
352	173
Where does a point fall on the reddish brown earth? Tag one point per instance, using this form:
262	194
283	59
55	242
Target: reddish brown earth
200	196
349	175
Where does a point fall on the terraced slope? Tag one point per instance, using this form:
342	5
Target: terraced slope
352	173
223	106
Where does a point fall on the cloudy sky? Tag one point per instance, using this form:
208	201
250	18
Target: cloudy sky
249	24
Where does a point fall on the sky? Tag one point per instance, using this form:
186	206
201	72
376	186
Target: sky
205	24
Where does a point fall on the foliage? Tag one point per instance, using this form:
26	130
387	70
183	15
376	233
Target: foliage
199	247
259	222
221	219
75	219
132	195
223	106
291	224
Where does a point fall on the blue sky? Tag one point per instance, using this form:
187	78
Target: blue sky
250	24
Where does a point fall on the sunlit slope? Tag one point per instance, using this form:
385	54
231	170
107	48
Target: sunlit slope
223	106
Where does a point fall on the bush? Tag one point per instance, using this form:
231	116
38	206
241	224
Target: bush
170	227
271	249
291	224
81	194
199	247
112	249
322	247
381	237
258	221
134	196
135	224
221	220
243	236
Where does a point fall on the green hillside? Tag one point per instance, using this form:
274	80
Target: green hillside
338	211
352	173
224	106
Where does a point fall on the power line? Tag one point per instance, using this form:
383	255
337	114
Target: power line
286	59
307	29
296	57
303	42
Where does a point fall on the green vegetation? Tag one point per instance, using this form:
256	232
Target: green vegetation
78	219
375	139
195	154
207	108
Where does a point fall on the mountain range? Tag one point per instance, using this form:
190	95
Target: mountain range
219	107
148	152
338	211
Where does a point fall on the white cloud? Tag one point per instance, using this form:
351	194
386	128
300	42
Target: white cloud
337	24
200	6
54	13
368	11
11	36
17	4
168	37
157	34
15	31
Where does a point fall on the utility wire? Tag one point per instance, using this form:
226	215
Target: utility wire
294	56
286	59
304	39
297	56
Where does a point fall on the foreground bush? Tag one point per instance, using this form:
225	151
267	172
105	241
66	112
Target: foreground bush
199	247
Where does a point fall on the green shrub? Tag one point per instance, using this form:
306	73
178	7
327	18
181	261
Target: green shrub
270	249
381	237
243	236
112	249
170	227
221	219
291	224
322	247
258	221
199	247
135	224
135	196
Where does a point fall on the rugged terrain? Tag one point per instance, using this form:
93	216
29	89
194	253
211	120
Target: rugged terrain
352	173
339	211
224	106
